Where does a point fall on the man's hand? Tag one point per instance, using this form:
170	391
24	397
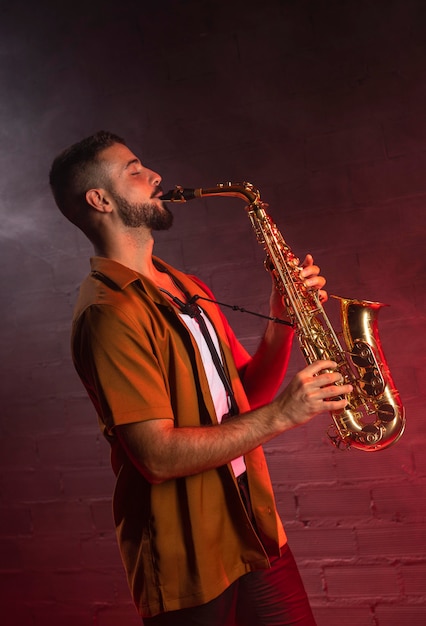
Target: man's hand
311	391
310	273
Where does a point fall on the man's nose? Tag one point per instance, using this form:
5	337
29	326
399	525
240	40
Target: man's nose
154	178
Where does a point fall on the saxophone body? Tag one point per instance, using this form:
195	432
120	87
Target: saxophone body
374	417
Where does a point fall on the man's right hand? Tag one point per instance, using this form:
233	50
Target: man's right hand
311	391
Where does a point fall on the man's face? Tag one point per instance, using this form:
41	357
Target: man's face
135	190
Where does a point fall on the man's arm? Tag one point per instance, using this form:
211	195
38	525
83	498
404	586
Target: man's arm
162	452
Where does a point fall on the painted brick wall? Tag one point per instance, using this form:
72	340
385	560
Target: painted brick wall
321	105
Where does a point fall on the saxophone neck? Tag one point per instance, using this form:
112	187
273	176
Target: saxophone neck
245	191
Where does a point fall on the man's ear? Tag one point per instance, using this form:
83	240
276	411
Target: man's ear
98	200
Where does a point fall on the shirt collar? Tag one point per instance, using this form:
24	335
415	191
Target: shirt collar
123	276
119	274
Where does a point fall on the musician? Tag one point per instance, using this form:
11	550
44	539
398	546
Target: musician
184	408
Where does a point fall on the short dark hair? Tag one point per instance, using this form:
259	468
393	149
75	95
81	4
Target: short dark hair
77	169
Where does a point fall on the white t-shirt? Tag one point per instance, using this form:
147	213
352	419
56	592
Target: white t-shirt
218	392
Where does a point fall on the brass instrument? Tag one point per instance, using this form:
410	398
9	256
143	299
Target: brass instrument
374	417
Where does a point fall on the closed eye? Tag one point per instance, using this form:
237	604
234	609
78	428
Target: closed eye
134	166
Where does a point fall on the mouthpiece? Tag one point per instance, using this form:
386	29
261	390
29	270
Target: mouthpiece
179	194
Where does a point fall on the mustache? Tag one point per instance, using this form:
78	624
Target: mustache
157	193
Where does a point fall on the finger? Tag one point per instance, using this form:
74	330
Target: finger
315	281
308	260
322	295
330	398
334	405
310	271
328	385
323	373
333	391
320	366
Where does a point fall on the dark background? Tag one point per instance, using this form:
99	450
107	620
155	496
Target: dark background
321	104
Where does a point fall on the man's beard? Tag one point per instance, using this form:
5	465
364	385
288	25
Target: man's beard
147	214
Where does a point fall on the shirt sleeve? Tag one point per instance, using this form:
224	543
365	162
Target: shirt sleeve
121	367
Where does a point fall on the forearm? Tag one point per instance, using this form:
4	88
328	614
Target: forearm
165	452
265	372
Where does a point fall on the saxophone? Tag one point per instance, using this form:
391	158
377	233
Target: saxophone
374	417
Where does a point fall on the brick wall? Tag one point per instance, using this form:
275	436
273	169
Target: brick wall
321	105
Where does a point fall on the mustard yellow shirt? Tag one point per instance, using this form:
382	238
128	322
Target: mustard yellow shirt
182	542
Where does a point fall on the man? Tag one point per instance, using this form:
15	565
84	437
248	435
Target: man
184	407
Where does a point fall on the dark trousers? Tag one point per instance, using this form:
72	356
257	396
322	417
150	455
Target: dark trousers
273	597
